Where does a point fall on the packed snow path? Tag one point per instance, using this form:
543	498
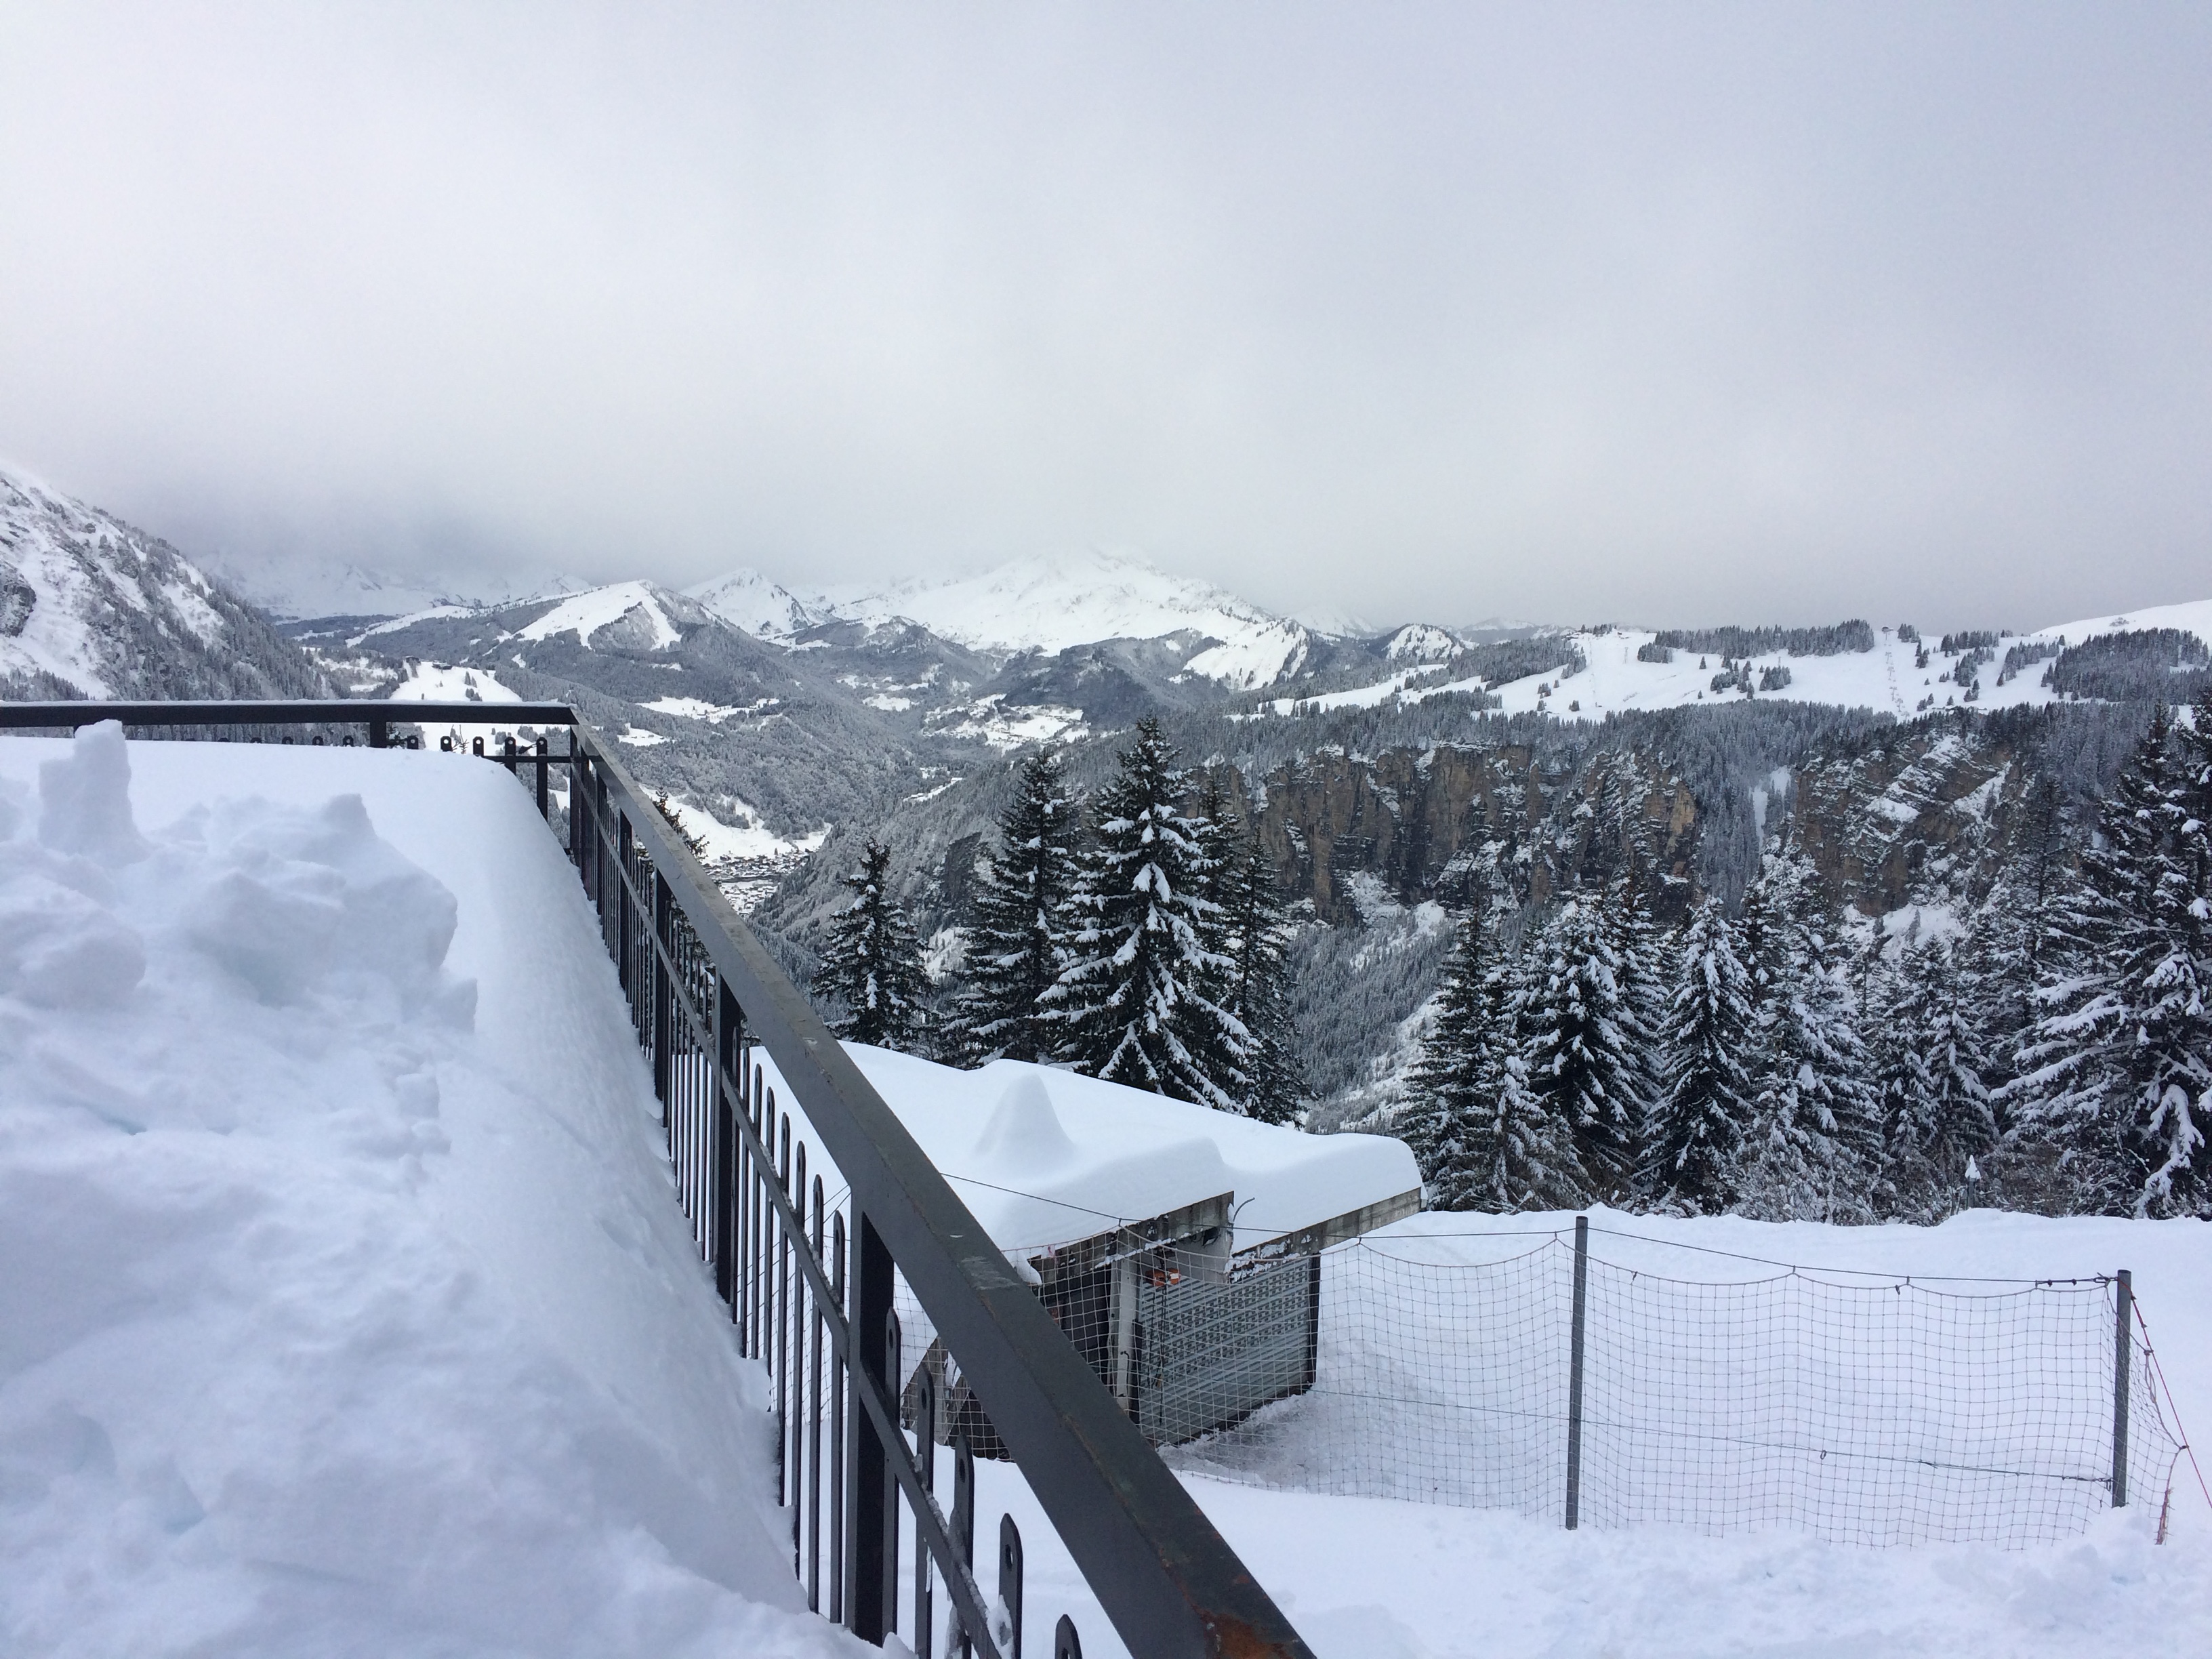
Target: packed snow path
344	1306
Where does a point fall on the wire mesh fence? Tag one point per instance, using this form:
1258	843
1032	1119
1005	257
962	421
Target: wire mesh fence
1863	1410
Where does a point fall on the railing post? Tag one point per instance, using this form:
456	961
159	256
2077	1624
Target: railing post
1066	1644
871	1500
925	1453
379	734
1575	1375
2123	1351
545	784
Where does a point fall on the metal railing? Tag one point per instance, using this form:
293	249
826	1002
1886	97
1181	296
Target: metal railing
809	1284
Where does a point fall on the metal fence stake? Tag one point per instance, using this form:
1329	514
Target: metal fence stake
2123	1350
1575	1375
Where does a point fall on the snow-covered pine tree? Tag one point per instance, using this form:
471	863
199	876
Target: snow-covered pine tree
1705	1111
1576	1049
1136	1003
1646	989
872	962
1935	1106
1483	1139
1256	991
2119	1068
1815	1141
1018	924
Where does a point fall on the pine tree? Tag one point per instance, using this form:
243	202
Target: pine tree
1137	1002
1705	1109
2120	1076
873	962
1578	1064
1936	1117
1815	1144
1257	989
1020	923
1483	1139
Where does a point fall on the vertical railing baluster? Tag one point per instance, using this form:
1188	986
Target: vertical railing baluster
1009	1585
794	1306
779	1268
924	1455
623	916
871	1502
964	1531
664	1000
815	1332
837	1385
729	1055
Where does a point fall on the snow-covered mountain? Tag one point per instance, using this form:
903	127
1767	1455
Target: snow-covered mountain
1053	604
91	607
291	590
764	608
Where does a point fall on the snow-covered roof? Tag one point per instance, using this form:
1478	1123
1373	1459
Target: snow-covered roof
1046	1157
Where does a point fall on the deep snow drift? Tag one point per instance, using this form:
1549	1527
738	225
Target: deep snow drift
344	1307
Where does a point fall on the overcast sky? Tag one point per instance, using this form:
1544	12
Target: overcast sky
1657	313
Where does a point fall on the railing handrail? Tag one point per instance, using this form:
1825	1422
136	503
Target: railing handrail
1162	1572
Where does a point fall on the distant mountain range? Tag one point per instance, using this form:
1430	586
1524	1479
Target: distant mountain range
772	714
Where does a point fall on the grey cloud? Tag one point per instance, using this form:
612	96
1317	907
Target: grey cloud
1666	313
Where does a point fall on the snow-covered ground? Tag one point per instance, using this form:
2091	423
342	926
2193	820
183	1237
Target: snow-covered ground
342	1311
584	614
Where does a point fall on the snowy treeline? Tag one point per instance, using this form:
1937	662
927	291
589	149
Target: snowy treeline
1138	937
2055	1055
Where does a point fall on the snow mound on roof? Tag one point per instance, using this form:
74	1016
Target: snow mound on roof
338	1312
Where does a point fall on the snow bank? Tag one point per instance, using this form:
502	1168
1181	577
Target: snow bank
343	1304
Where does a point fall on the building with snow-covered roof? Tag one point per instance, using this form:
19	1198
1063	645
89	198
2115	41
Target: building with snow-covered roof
1176	1245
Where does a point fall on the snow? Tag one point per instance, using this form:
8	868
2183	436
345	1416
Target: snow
340	1310
748	839
693	708
1420	642
428	613
584	614
437	681
638	738
1050	603
750	603
989	721
1045	1157
2194	616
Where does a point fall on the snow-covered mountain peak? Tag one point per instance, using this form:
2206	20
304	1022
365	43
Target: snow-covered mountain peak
1420	642
636	615
752	603
1053	602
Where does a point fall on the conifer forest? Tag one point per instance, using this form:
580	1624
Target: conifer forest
1564	1004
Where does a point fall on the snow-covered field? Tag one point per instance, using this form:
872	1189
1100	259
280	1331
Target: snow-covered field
344	1306
341	1311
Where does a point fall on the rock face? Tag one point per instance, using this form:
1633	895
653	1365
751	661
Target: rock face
1921	816
1412	819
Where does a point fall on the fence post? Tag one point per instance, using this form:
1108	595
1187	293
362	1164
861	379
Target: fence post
1575	1375
871	1506
1009	1584
2123	1350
